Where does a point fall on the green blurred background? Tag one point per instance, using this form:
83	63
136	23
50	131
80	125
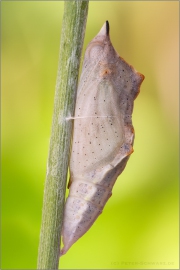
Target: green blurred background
139	226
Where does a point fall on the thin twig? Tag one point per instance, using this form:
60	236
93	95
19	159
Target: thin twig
72	37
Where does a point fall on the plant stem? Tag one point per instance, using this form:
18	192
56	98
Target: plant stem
72	37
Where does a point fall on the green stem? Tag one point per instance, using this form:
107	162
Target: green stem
72	37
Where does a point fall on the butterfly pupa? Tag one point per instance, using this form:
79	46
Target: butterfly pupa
103	134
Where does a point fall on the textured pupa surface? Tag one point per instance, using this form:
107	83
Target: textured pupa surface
103	134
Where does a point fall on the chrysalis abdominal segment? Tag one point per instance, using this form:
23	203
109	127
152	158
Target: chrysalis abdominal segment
103	134
83	117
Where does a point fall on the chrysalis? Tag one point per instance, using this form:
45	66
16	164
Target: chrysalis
103	134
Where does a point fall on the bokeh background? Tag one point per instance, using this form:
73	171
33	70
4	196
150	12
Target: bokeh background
139	226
